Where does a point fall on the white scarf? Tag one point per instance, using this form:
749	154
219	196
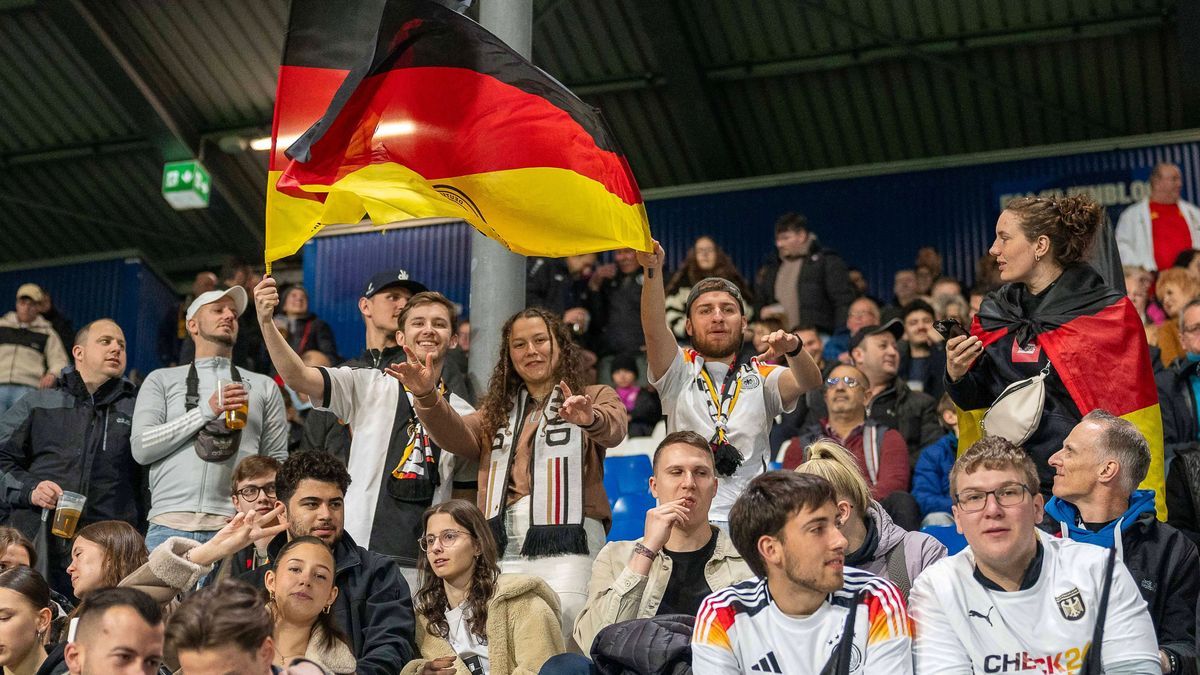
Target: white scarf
556	481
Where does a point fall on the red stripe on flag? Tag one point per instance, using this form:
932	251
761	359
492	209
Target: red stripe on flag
444	123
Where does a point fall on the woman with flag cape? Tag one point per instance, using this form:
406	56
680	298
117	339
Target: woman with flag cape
1054	318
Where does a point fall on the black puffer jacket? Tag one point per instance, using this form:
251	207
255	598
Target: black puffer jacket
824	289
912	413
81	442
1178	404
659	645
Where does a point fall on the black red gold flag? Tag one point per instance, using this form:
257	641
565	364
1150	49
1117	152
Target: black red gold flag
402	109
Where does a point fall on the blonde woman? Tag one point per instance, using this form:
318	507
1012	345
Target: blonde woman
873	542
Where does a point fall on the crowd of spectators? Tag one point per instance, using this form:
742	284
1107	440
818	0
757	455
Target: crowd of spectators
264	504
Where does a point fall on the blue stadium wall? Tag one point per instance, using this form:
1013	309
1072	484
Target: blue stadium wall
124	289
877	221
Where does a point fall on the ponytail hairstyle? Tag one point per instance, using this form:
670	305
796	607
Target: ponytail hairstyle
1070	223
835	464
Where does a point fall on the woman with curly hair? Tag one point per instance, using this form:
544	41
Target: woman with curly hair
470	617
1071	341
704	259
539	437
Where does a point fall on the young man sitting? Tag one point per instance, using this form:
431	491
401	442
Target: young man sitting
1017	599
681	558
806	611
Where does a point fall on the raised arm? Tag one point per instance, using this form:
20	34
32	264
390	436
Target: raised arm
802	374
660	341
301	378
451	431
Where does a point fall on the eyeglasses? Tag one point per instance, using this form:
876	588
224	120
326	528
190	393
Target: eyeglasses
250	492
970	501
448	538
850	381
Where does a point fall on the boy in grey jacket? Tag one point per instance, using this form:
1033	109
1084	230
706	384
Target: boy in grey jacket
180	432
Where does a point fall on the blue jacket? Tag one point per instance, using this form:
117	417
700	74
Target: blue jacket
931	476
1162	561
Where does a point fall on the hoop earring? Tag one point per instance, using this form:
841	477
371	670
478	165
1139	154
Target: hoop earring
326	610
1037	258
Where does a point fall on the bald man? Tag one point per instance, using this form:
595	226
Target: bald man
75	436
1154	231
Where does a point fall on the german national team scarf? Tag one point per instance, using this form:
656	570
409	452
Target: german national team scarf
1094	338
556	479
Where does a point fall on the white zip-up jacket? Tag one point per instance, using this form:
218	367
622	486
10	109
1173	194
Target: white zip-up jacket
1135	233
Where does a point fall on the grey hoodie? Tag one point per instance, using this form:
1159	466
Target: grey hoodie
163	434
920	549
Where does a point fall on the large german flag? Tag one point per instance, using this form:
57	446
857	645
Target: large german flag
402	109
1097	345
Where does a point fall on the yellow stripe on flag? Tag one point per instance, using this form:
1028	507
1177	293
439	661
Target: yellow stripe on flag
533	211
1148	421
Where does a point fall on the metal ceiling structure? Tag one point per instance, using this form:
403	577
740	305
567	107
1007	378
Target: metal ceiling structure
99	93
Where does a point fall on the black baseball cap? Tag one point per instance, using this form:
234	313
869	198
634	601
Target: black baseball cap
390	279
894	327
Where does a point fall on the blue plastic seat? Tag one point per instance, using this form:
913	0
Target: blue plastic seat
626	476
948	535
629	516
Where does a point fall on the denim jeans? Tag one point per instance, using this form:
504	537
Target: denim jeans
10	394
157	534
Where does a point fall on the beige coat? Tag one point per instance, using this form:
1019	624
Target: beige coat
523	630
616	593
168	573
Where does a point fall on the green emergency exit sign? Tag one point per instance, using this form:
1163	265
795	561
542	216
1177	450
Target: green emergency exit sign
186	185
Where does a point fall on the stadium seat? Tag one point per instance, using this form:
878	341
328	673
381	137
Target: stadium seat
948	535
629	516
626	475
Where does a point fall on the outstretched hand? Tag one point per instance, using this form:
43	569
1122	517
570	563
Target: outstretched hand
418	377
779	344
576	408
241	531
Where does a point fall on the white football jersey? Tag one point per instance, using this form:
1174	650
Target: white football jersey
963	627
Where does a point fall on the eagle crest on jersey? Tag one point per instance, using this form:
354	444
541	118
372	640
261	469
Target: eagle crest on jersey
1070	604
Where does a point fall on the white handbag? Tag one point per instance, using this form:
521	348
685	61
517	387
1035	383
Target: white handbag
1017	411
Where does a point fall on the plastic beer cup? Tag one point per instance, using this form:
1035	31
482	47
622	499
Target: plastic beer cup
66	515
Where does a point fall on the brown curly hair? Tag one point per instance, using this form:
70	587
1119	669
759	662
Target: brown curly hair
430	601
690	274
1070	223
505	382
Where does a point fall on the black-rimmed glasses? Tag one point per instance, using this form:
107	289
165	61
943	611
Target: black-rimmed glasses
971	501
250	492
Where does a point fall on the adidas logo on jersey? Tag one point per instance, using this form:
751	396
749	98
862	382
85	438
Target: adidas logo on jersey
767	664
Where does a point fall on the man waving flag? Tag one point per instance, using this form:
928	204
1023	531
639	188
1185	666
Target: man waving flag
402	109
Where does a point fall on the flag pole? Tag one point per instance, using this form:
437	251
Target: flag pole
497	274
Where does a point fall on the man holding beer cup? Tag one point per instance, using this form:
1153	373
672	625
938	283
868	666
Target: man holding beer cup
69	443
194	422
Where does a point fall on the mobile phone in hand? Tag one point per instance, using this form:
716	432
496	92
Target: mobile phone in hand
949	328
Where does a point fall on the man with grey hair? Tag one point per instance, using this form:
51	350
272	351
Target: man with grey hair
1096	500
1154	231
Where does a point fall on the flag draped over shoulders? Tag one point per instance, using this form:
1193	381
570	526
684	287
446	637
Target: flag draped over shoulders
1093	337
402	109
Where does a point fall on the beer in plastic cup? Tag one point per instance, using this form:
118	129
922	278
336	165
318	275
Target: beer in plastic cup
234	419
66	515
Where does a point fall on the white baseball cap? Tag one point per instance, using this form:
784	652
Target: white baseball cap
240	300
